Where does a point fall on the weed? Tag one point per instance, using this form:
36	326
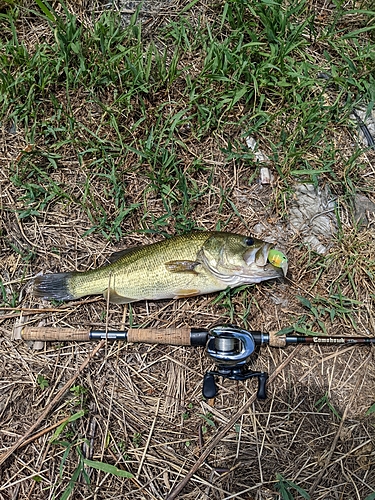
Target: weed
42	381
255	75
320	309
354	262
230	298
336	306
78	390
137	439
61	427
8	298
34	177
284	487
324	401
187	414
72	444
80	394
121	445
207	418
82	466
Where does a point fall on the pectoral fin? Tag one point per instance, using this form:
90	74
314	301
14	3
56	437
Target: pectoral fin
115	298
182	266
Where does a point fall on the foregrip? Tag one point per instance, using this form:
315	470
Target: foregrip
277	340
171	336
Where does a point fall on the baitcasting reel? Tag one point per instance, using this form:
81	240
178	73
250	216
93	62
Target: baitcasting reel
230	348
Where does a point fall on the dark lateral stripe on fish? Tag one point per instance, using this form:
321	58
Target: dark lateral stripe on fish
53	286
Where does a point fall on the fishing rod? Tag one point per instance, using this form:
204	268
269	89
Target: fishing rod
229	346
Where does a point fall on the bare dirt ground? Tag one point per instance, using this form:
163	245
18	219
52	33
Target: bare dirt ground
144	410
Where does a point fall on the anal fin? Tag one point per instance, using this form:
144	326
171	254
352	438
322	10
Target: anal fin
115	298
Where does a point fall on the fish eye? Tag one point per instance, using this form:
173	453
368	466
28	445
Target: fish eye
249	241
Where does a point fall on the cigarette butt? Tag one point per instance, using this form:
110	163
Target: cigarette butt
265	176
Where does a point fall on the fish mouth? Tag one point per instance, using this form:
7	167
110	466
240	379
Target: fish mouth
259	257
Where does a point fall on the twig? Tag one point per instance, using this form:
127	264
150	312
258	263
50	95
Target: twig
148	440
62	308
220	435
34	310
51	405
43	431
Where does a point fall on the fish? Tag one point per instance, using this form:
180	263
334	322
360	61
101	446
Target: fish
195	263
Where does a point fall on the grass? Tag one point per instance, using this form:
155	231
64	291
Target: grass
71	443
254	62
115	134
284	487
322	311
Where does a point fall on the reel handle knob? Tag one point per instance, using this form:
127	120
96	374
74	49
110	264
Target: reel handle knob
209	386
262	380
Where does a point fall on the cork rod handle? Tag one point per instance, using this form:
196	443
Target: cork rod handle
49	334
170	336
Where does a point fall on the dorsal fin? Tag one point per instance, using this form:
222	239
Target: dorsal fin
117	255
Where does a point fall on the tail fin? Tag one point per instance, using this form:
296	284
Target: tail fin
53	286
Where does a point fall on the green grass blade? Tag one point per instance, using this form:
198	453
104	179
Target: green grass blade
47	10
108	468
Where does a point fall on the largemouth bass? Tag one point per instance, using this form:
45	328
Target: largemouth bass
182	266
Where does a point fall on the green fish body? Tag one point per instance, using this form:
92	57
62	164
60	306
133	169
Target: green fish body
181	266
